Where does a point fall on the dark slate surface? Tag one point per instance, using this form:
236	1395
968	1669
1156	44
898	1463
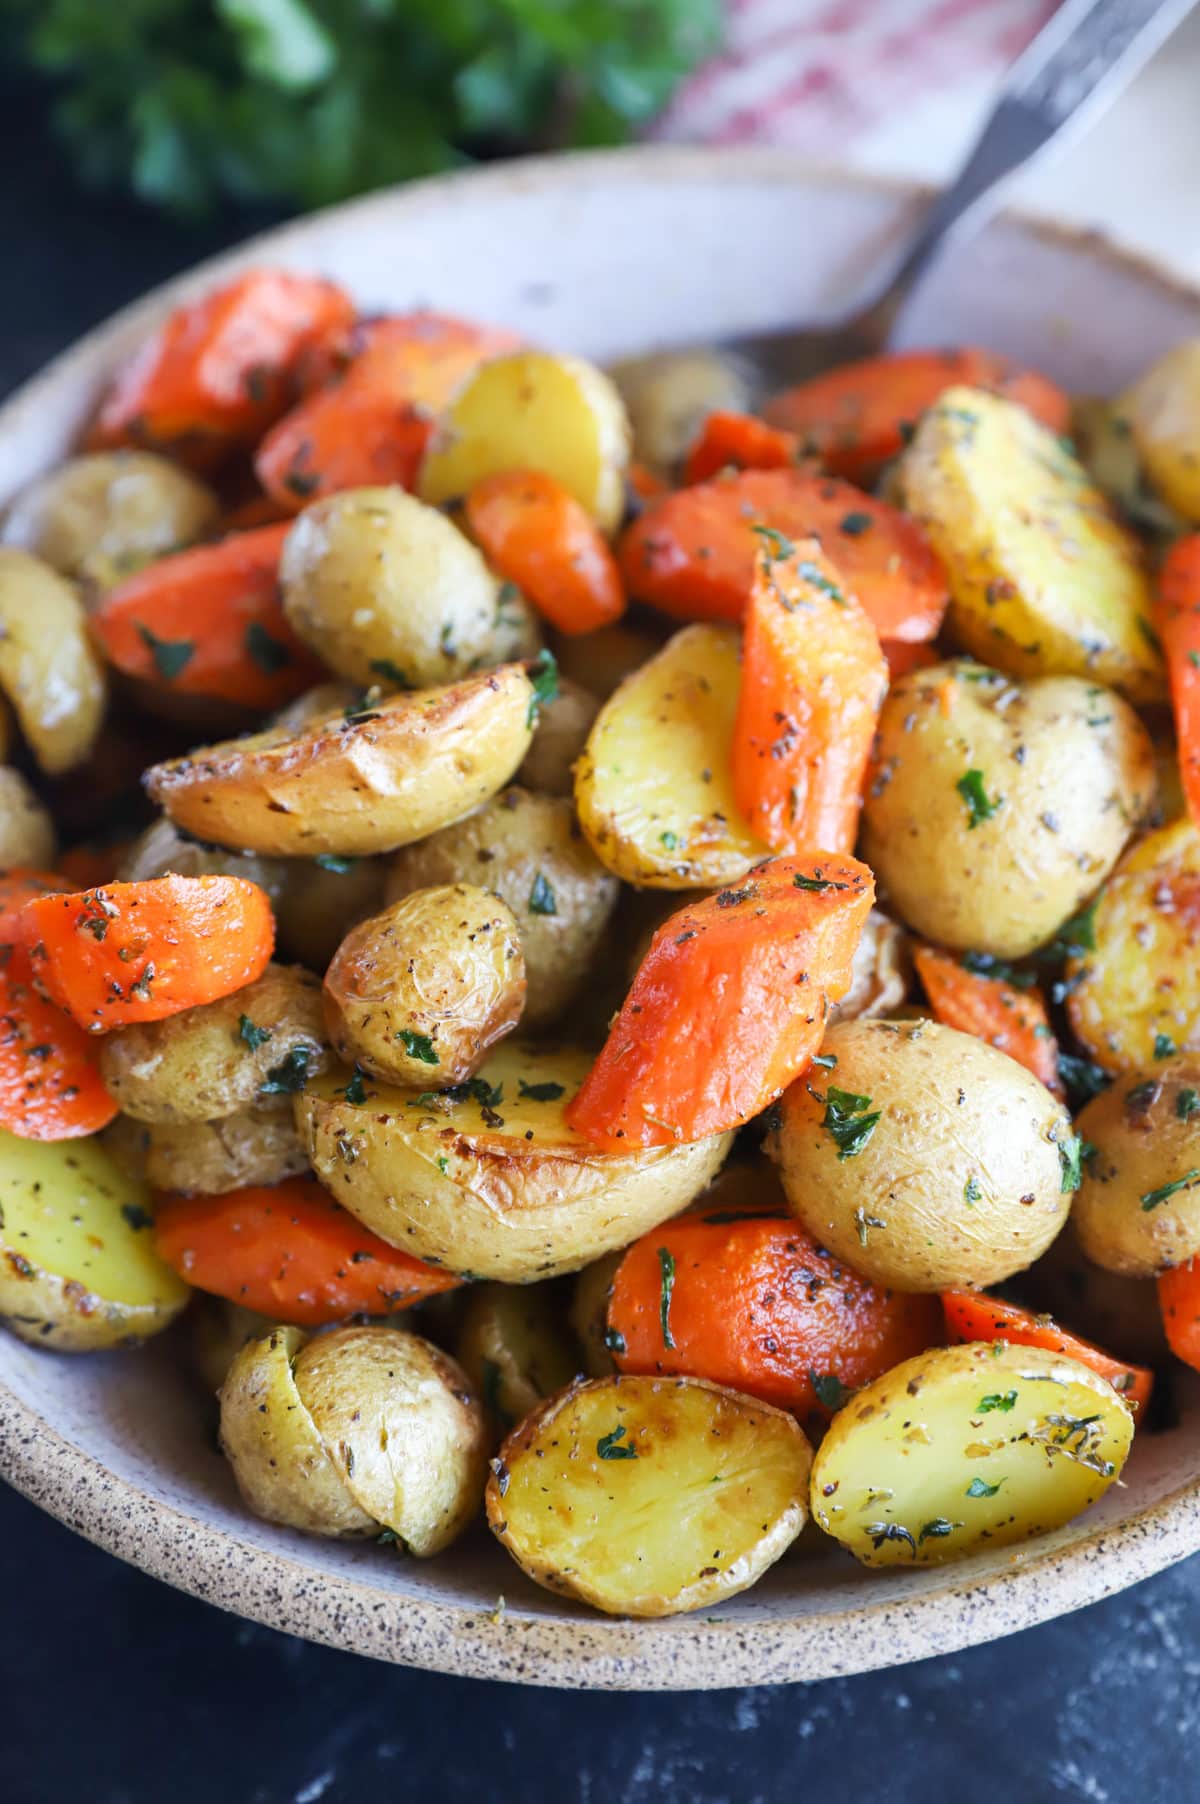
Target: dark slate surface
120	1691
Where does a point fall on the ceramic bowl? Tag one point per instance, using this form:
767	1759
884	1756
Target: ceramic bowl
604	254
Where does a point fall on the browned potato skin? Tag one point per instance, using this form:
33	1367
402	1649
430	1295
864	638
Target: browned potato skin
318	906
1146	1133
505	846
562	730
206	1158
1119	1314
198	1065
443	964
162	849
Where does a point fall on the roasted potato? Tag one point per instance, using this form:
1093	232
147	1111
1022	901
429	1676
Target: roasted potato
386	589
494	1184
1163	410
97	519
994	809
588	1314
259	1145
925	1158
359	783
531	410
964	1448
1119	1314
668	397
1044	579
78	1269
880	975
1103	433
162	850
322	900
27	834
418	994
527	850
514	1346
650	1496
562	729
654	787
209	1062
216	1333
48	669
599	662
1133	981
1138	1207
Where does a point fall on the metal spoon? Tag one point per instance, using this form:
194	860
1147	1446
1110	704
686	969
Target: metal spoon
1081	60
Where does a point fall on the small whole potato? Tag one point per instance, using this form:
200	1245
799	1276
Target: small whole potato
1137	1210
1120	1314
515	1347
27	834
588	1314
416	995
49	670
669	394
562	730
162	850
259	1145
386	589
1163	410
994	808
320	902
925	1158
528	850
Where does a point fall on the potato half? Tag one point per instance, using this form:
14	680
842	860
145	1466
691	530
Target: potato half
1137	1210
650	1496
493	1183
365	782
1163	410
48	668
964	1448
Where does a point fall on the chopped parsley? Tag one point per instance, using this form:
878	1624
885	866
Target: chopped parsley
1071	1154
996	1400
335	862
253	1035
614	1340
830	1392
937	1529
1148	634
609	1447
776	542
980	806
669	840
171	656
1081	1078
971	1190
848	1122
800	881
541	897
136	1216
979	1487
1152	1198
418	1046
666	1267
813	573
855	524
539	1092
354	1090
1076	935
986	964
290	1075
1164	1046
266	651
826	1060
391	673
1186	1104
544	678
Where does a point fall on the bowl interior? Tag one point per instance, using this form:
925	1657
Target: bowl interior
604	255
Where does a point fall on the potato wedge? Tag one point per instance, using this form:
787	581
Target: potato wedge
78	1268
359	783
650	1496
253	1146
1044	579
1137	1210
654	787
967	1447
531	410
494	1184
1163	410
514	1345
48	668
27	835
1133	984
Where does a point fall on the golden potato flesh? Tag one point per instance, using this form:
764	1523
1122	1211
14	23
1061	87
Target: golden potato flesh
925	1158
1137	1210
1163	410
514	1346
994	809
27	835
216	1332
562	729
966	1448
258	1145
650	1496
418	994
1133	983
654	787
386	589
48	668
1044	578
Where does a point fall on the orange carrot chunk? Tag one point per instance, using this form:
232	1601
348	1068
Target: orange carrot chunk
691	553
143	951
971	1315
371	425
1178	620
1179	1302
855	418
644	483
209	622
1013	1020
739	441
902	657
745	1298
728	1005
18	884
813	681
537	535
291	1253
217	371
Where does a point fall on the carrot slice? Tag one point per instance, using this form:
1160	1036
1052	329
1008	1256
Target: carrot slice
691	553
537	535
1179	1302
217	371
813	681
742	442
855	418
1178	621
18	884
373	424
209	622
971	1315
744	1297
644	482
1014	1020
728	1005
143	951
290	1252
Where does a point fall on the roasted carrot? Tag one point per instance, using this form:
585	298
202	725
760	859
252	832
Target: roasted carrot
1178	620
813	681
728	1005
142	951
535	533
745	1297
209	622
1179	1301
854	418
973	1315
256	511
903	657
691	553
739	441
217	371
644	482
1012	1019
91	862
18	884
290	1252
373	423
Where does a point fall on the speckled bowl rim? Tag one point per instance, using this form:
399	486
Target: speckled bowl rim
1033	1584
